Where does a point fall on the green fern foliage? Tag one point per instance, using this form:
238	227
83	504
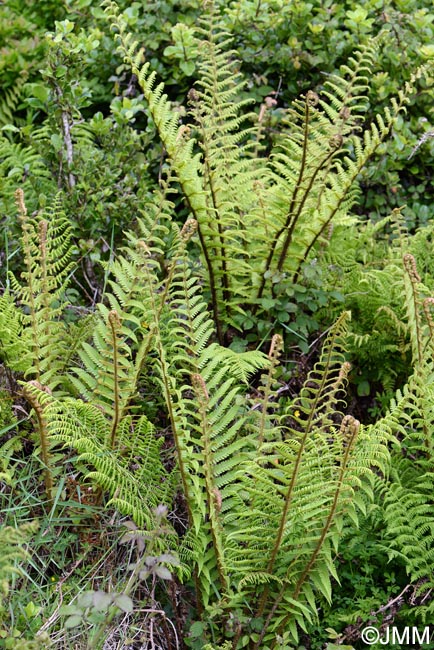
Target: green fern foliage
267	497
408	492
10	99
152	406
408	514
204	397
33	334
7	450
12	553
22	166
292	498
308	183
132	475
307	167
229	171
106	379
408	495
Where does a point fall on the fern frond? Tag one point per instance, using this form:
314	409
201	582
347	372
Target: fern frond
203	393
123	337
228	170
24	167
105	380
12	550
407	494
10	99
310	182
408	513
46	243
132	475
7	450
318	165
292	495
13	337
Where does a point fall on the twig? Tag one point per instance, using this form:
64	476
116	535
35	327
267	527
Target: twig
383	608
67	138
420	142
69	150
392	602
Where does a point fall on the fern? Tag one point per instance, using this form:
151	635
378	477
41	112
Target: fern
201	384
306	167
7	450
132	475
408	493
33	335
32	331
10	100
408	515
265	506
279	506
12	550
118	449
269	485
266	498
310	181
229	172
21	166
394	306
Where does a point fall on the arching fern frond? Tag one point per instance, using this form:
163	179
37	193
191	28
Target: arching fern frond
123	336
293	496
133	474
204	397
229	171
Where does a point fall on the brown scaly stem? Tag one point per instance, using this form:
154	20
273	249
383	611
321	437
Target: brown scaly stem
31	397
213	494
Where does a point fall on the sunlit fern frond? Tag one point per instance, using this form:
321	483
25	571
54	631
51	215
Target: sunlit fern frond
317	167
204	397
227	136
408	516
123	336
407	492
